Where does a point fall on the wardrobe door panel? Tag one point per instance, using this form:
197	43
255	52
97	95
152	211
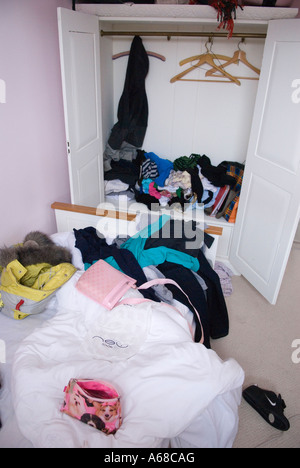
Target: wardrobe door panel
269	206
80	66
278	141
268	226
84	98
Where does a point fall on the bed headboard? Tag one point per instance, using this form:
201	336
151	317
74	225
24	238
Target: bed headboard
113	222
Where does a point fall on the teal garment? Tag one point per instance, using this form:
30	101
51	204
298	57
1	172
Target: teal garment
154	256
145	185
109	260
157	255
149	230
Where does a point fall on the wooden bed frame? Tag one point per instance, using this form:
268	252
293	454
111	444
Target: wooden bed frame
70	216
84	214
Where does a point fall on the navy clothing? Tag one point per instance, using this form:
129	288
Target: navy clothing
180	235
93	248
217	309
210	304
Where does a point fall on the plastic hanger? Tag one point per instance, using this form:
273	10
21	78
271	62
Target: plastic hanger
238	56
208	59
151	54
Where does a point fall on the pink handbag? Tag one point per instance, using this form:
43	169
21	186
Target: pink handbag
93	402
107	285
104	284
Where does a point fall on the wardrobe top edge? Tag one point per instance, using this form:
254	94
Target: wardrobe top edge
182	13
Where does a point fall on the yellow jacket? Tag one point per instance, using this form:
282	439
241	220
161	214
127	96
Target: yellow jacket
28	290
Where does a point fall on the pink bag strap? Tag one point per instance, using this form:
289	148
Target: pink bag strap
154	282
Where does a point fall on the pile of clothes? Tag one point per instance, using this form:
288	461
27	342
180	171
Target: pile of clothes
190	182
186	183
172	249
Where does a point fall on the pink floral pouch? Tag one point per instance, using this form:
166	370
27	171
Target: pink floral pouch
93	402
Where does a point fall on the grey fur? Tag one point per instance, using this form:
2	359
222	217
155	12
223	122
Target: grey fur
37	248
39	238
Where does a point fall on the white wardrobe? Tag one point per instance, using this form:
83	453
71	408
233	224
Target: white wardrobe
256	122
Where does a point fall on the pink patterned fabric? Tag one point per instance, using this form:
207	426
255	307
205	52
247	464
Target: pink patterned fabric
95	403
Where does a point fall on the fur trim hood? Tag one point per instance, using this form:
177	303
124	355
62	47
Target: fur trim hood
37	248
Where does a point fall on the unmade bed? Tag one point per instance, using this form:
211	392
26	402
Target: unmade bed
175	391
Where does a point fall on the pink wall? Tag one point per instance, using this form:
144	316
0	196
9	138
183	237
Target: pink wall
33	168
296	4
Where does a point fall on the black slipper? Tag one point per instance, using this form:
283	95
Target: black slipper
269	405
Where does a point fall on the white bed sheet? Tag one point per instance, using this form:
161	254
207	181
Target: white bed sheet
12	333
174	392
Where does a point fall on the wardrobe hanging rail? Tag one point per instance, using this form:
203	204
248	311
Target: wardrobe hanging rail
182	34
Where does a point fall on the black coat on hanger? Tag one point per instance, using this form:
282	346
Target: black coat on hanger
133	106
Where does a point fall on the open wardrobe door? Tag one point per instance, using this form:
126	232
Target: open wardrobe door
269	206
80	66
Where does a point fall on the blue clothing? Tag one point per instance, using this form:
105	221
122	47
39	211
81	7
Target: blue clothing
164	167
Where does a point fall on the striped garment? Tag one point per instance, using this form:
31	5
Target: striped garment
237	173
149	170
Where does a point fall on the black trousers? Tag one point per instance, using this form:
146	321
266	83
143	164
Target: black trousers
189	284
211	305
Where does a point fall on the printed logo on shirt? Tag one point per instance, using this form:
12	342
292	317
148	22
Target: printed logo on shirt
109	343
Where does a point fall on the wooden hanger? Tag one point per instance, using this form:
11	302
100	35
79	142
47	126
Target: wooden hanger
151	54
238	56
208	59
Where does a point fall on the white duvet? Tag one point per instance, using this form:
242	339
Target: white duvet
174	392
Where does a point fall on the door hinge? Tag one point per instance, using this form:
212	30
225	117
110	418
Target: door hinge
68	147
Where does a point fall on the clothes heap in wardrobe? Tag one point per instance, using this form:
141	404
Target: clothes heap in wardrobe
186	183
172	249
190	182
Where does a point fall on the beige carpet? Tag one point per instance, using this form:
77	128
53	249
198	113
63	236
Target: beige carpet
260	339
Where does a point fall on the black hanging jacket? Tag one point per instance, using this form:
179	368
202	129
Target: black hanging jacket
133	106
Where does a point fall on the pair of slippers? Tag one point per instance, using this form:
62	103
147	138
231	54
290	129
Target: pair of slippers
269	405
